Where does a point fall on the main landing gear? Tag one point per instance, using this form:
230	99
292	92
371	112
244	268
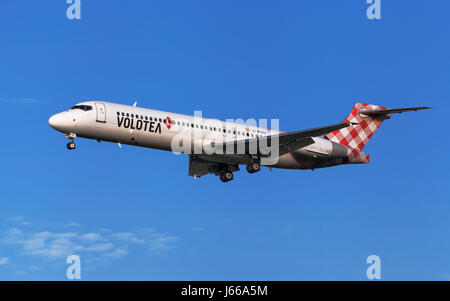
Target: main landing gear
226	176
71	144
253	167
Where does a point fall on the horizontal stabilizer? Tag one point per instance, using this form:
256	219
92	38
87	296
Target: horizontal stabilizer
369	118
379	112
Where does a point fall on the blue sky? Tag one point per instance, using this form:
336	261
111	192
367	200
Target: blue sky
134	214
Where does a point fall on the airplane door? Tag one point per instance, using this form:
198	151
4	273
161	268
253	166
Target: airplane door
101	111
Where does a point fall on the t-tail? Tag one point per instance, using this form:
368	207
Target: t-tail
368	119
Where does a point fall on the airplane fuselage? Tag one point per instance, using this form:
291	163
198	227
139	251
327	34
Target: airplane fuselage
131	125
326	146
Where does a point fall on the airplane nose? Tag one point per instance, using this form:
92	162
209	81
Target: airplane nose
53	121
58	122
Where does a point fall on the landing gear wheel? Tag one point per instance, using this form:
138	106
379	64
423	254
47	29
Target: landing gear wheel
226	176
253	167
70	145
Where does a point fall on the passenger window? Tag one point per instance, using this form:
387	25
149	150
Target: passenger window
128	114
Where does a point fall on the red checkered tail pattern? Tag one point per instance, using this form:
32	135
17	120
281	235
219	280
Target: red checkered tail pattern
356	137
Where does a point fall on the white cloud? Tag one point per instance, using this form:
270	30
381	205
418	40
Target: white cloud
196	229
23	100
4	260
286	231
114	245
161	242
127	236
100	247
34	268
73	224
17	218
20	219
46	244
91	236
147	230
118	253
14	232
12	236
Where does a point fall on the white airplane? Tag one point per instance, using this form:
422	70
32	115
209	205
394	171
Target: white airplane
219	147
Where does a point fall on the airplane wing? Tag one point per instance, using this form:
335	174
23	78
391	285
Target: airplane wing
286	142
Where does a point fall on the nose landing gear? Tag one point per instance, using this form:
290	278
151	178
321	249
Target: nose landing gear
71	144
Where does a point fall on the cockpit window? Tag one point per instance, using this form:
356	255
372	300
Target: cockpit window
82	107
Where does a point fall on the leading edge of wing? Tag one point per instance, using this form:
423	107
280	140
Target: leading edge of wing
311	132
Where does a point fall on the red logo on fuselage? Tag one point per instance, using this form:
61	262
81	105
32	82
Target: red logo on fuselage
168	122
